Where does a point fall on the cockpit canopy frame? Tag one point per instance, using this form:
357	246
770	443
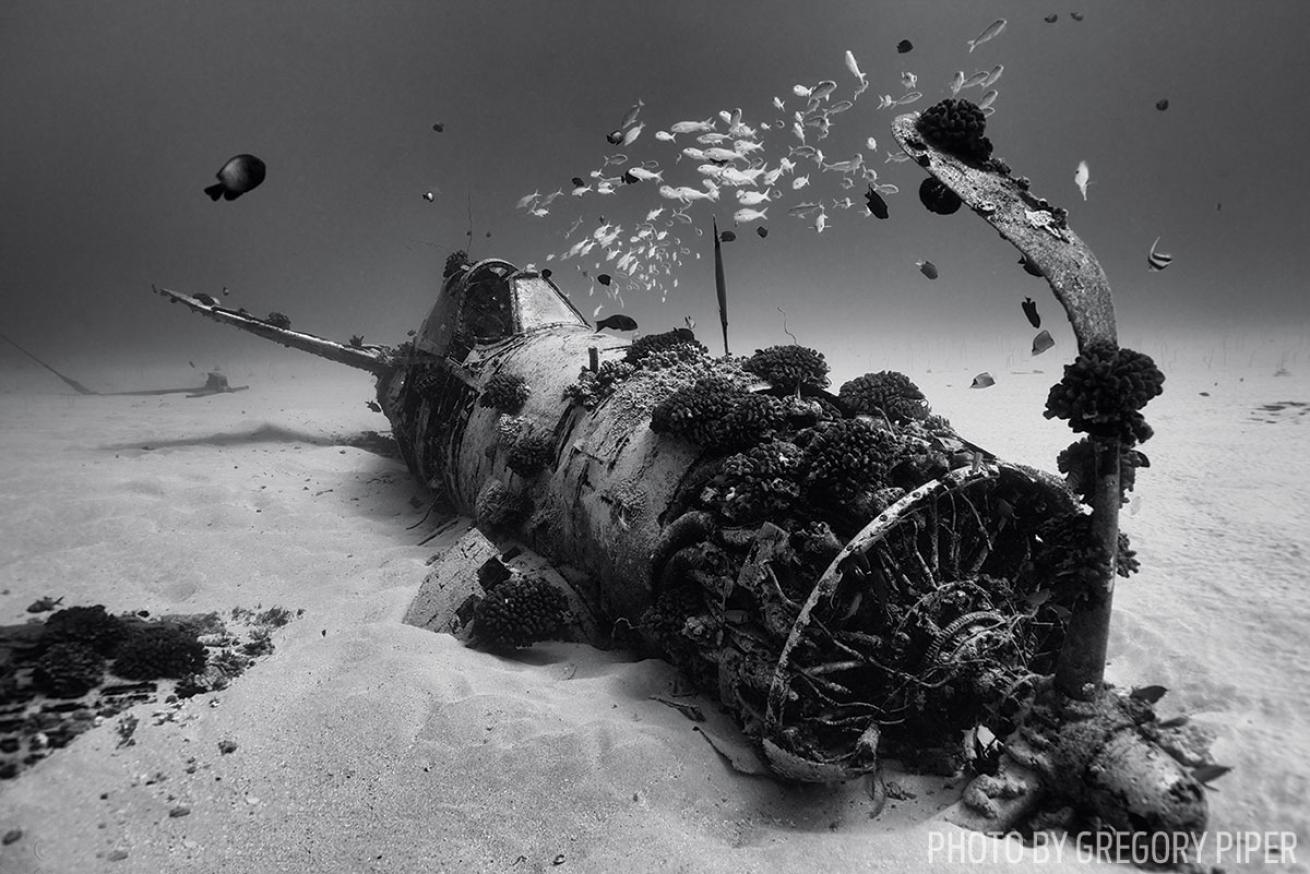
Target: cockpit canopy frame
489	302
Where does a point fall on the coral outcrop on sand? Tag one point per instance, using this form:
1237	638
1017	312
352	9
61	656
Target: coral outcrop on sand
518	612
158	652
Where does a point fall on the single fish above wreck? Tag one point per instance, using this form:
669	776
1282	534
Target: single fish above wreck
849	576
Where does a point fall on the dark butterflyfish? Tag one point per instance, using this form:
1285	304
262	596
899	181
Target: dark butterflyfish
236	177
762	231
1156	260
1030	267
1030	310
429	196
1149	694
1205	773
904	46
983	380
927	268
604	278
1051	19
876	205
617	322
1162	105
578	181
1042	342
727	236
614	137
1076	16
439	127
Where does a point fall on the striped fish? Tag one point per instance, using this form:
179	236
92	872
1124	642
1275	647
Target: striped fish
1156	261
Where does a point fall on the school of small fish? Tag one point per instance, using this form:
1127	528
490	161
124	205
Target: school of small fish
759	168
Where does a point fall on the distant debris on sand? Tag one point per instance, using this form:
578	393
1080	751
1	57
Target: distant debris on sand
215	382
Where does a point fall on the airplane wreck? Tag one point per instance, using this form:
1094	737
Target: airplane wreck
853	579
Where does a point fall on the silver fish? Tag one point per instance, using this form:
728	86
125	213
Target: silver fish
753	198
719	154
631	134
990	32
693	127
645	175
1081	177
1157	260
849	166
734	177
854	67
631	115
823	90
907	99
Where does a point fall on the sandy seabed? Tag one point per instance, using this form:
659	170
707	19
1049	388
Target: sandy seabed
364	744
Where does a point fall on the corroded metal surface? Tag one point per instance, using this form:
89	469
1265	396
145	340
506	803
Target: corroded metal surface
1035	227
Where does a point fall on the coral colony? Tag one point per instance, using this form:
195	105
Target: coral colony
63	676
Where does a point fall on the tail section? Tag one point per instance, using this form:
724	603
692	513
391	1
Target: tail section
214	191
